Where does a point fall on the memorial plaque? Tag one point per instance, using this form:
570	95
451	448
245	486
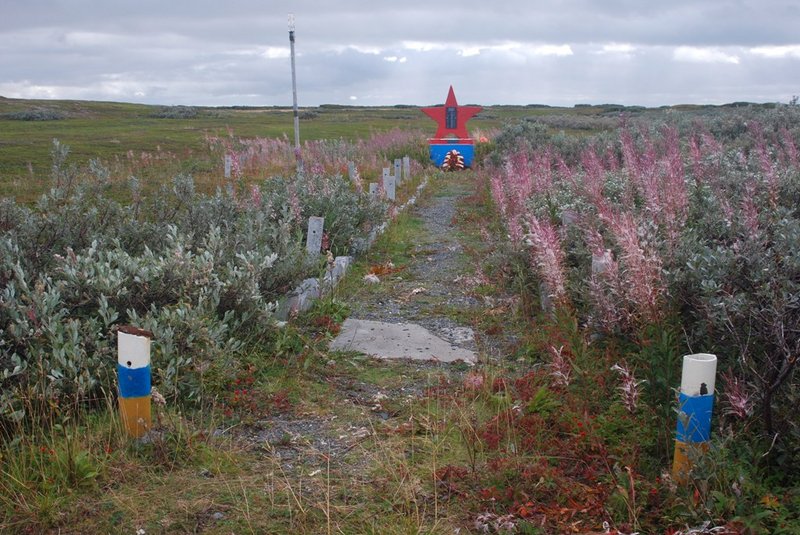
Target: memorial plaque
390	187
373	189
406	167
228	163
601	262
397	171
351	170
569	218
314	239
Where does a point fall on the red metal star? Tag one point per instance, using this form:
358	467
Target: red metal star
451	118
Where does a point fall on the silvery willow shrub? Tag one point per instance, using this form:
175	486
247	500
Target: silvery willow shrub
738	279
36	114
202	272
348	215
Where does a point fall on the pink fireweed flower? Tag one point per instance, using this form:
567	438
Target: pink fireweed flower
515	231
547	256
594	176
517	183
630	155
236	169
737	398
357	182
706	154
593	182
498	194
629	386
560	366
542	171
255	196
605	288
510	206
697	158
642	283
789	148
657	172
673	197
749	210
606	312
765	160
611	161
294	202
473	381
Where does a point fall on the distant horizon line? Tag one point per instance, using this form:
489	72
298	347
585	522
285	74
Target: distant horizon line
399	105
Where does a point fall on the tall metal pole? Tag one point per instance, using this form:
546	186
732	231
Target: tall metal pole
294	98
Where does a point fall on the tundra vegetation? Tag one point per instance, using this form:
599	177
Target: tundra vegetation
619	239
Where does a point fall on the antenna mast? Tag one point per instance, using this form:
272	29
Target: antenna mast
294	97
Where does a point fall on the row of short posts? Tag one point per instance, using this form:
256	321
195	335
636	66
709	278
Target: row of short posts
134	375
391	178
390	181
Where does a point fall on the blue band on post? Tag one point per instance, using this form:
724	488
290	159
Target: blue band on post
694	418
133	382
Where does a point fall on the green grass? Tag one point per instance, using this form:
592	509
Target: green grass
109	130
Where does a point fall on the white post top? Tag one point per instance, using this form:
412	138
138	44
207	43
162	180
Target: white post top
133	351
699	374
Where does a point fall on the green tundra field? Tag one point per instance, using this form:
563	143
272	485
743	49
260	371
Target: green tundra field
109	131
584	254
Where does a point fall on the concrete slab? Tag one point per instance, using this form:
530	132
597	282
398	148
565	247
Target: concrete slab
458	335
397	341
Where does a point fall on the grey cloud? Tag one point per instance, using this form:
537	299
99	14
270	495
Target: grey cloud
205	52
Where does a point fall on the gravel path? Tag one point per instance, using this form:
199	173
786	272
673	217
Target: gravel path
429	292
424	292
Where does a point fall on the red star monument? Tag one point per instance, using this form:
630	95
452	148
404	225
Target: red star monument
451	118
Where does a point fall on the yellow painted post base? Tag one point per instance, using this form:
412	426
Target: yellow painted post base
136	416
683	460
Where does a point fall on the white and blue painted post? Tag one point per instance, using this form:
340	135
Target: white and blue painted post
133	371
695	406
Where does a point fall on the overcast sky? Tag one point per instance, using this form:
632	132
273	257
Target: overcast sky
229	52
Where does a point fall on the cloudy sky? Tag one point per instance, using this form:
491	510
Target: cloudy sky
229	52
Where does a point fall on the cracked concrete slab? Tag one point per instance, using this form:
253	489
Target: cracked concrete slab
397	341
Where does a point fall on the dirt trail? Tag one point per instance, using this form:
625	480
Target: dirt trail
428	291
431	286
351	440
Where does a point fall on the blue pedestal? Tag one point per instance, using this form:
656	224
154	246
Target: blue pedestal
440	150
